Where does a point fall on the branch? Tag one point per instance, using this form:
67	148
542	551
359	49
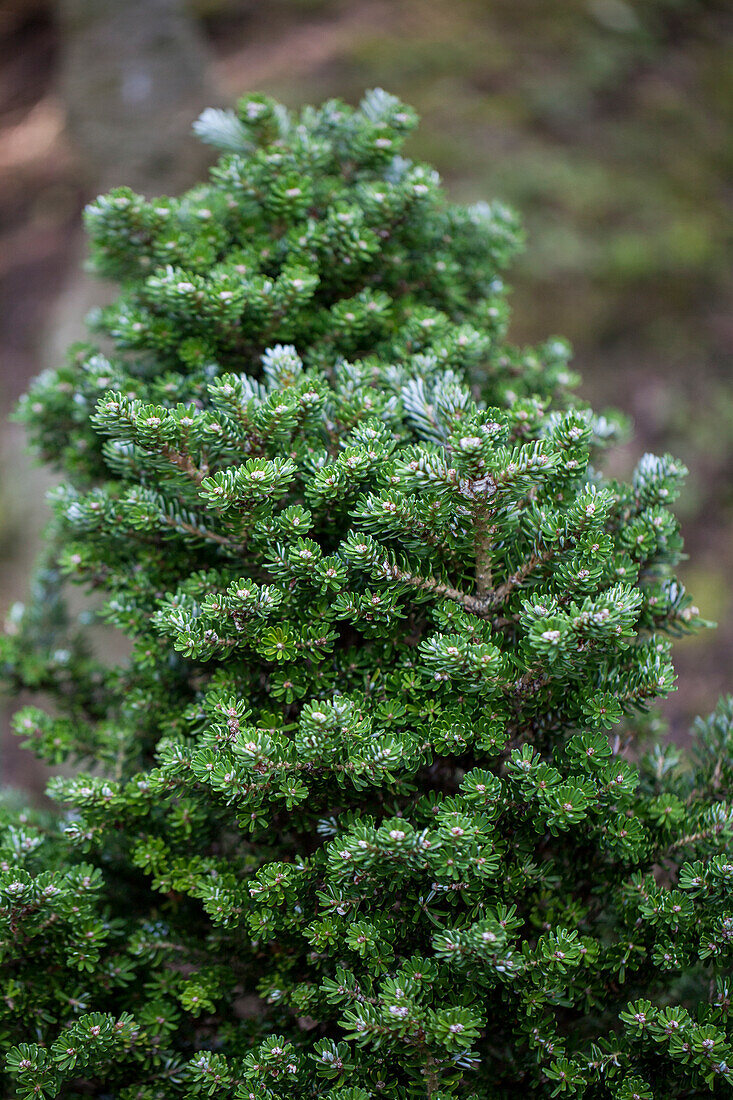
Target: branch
704	834
482	545
429	584
483	603
200	532
184	463
500	593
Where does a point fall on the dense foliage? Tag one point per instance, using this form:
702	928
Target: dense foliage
365	812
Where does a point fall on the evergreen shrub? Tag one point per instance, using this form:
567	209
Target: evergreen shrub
375	807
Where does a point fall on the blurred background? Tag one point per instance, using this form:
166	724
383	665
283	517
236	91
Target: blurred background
607	123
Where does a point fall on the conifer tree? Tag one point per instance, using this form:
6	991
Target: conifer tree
373	808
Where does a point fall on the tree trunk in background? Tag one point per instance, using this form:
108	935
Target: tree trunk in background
134	75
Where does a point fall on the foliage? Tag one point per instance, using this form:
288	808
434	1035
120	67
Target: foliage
363	814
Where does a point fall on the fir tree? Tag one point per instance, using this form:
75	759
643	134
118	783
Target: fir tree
365	814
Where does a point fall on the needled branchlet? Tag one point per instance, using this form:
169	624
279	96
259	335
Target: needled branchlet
371	807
